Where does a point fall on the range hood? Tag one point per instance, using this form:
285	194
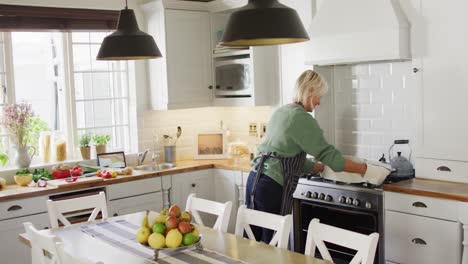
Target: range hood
345	32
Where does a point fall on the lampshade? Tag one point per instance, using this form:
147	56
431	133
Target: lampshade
128	42
264	22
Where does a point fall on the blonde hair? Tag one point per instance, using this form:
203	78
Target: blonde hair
309	83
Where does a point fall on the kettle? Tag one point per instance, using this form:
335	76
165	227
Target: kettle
402	166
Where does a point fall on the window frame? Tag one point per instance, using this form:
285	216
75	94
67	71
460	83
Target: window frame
67	95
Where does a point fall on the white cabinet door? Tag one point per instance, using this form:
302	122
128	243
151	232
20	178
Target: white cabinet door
226	190
188	52
198	182
11	249
139	203
181	79
444	82
415	239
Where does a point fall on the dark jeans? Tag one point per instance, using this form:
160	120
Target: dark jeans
268	196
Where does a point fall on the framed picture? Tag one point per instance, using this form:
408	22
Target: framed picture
210	145
112	160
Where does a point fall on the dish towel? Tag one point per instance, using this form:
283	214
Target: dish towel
375	174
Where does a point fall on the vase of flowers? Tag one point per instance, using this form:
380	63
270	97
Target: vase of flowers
16	120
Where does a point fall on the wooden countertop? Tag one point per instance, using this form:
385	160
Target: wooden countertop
431	188
13	192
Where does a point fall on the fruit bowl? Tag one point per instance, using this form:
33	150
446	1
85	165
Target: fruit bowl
172	251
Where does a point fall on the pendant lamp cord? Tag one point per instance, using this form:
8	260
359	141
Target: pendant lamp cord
126	4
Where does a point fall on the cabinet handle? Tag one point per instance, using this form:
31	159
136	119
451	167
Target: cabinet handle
218	87
415	70
193	185
418	241
14	208
444	168
210	87
420	205
116	214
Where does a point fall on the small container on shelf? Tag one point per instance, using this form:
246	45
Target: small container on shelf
238	152
60	146
45	146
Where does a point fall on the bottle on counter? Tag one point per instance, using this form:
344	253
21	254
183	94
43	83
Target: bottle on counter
45	140
60	146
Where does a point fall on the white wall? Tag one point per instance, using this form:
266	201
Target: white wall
369	106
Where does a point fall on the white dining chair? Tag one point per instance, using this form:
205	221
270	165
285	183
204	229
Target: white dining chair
57	209
221	210
281	224
318	233
48	249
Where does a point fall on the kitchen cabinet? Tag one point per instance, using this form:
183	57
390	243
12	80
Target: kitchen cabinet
13	215
151	201
421	229
440	43
135	196
180	79
198	182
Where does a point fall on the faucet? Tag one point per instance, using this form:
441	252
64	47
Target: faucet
141	157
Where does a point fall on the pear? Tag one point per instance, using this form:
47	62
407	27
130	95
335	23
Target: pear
144	232
164	212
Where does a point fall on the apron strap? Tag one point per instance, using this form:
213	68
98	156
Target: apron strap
259	169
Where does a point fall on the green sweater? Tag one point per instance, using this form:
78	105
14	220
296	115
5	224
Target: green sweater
292	130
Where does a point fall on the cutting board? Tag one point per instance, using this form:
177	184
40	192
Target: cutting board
80	181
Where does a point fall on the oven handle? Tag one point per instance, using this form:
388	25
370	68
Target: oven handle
418	241
345	210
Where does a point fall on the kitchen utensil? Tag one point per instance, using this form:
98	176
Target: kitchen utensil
402	165
179	132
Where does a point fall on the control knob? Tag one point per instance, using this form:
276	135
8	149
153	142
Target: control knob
308	194
342	199
315	195
322	196
368	205
328	198
356	202
349	200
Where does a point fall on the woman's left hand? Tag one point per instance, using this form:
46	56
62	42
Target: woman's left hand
318	167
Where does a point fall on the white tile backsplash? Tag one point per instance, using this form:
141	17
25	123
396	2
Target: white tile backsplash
192	121
381	108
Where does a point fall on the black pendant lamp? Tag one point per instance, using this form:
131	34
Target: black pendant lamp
128	42
264	22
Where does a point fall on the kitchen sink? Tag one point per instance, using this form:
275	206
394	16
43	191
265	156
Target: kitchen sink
158	167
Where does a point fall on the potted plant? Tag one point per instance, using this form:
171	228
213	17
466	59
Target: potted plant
85	149
16	120
100	142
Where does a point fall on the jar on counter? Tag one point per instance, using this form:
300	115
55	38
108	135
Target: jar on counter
45	146
60	146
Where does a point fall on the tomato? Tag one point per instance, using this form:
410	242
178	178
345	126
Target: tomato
99	173
76	167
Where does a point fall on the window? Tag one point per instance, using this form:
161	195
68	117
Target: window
69	90
101	91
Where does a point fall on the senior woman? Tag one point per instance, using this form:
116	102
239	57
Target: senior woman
292	134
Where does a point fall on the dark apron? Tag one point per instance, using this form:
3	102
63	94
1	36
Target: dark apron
292	167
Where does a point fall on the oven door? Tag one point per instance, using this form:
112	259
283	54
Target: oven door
233	78
361	221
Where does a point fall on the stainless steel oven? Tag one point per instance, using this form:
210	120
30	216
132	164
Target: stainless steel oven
354	208
233	77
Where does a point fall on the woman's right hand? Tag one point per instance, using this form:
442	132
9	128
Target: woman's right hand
355	167
318	167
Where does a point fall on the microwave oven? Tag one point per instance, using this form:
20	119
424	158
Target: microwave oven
233	78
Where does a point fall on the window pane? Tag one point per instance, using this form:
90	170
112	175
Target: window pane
101	85
81	57
101	94
80	37
84	114
2	58
37	80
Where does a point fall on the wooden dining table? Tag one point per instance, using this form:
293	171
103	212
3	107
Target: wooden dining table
80	244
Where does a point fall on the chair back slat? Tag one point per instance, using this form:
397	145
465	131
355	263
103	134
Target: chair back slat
281	224
222	210
319	233
57	209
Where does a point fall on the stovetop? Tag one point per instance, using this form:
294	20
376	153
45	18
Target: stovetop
363	196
